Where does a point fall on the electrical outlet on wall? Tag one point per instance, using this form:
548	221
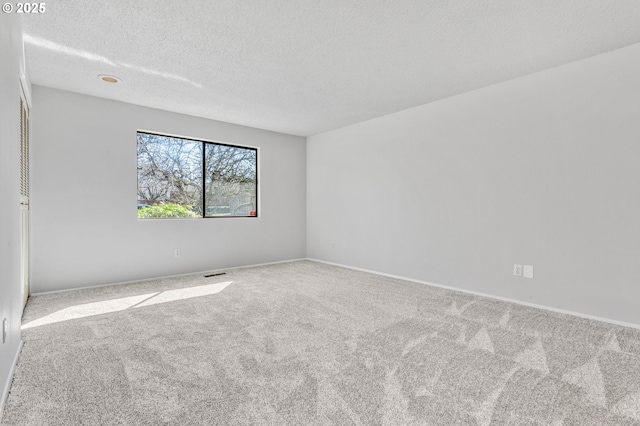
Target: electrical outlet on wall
517	270
527	271
177	252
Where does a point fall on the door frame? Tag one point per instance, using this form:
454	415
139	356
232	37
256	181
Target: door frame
25	102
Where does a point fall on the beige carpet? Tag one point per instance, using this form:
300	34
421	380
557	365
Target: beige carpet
305	343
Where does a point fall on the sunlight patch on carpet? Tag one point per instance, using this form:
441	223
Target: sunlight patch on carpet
115	305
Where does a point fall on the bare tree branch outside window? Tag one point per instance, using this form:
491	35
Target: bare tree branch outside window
170	174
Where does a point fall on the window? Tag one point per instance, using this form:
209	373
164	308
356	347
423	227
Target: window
186	178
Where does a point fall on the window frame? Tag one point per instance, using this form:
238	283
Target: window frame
203	143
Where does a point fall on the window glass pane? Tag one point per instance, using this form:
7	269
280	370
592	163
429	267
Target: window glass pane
169	177
230	180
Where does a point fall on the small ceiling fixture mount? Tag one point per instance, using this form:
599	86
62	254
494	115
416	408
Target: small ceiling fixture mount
109	78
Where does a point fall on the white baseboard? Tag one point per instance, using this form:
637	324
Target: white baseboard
491	296
211	271
476	293
7	385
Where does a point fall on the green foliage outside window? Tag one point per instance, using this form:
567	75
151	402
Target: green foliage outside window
171	210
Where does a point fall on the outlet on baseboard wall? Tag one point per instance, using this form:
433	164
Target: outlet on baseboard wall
525	271
517	270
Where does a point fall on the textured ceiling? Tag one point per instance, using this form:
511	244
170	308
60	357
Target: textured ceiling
307	66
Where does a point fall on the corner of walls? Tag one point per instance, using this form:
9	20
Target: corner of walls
10	288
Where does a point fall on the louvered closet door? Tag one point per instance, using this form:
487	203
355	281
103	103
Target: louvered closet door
24	198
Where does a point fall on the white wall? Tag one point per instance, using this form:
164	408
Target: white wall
84	197
10	286
542	170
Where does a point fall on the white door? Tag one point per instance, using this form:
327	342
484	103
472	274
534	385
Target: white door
24	198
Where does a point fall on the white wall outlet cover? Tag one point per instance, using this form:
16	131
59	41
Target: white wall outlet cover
528	271
517	270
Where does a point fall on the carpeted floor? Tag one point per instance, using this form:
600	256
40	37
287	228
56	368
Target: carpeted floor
305	343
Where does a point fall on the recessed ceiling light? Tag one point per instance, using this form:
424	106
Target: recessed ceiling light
109	78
